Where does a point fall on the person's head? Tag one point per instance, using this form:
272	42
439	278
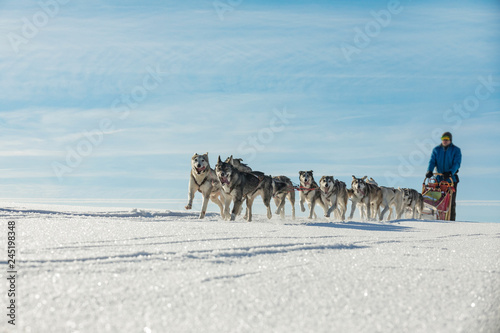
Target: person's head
446	139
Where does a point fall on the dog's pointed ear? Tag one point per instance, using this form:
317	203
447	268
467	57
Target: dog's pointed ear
231	160
301	172
310	171
195	154
364	178
353	177
219	161
206	154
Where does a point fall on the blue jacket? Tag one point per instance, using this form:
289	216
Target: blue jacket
448	159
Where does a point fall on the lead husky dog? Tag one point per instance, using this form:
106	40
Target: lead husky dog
392	198
367	195
240	186
334	192
282	189
414	200
310	192
203	179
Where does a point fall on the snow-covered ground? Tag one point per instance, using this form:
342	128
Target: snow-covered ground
84	269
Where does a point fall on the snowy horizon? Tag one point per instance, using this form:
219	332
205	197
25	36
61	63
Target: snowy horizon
109	100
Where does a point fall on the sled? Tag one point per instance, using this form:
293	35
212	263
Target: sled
437	197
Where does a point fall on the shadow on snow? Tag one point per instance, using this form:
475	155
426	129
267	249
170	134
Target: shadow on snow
361	226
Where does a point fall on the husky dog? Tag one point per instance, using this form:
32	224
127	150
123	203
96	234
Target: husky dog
267	181
354	203
373	211
282	189
266	191
237	163
310	192
391	198
203	179
367	195
239	186
414	200
334	192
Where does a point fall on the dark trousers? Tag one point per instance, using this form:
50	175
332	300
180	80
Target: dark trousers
453	203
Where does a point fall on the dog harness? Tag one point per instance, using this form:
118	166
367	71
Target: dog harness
203	182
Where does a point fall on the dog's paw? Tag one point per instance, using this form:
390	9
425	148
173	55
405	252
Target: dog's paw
188	207
302	209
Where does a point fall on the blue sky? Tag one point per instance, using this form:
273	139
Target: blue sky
153	82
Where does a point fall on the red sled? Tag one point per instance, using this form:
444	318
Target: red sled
437	197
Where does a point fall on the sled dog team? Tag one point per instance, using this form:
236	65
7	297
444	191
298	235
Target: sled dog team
235	181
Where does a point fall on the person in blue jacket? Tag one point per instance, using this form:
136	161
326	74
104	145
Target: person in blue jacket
446	158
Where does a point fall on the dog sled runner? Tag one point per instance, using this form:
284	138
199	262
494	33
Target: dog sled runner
437	197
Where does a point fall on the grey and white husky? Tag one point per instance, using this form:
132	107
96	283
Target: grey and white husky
266	181
239	186
282	189
310	192
365	195
392	199
203	179
334	194
414	200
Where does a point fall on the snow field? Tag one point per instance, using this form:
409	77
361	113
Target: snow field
97	270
